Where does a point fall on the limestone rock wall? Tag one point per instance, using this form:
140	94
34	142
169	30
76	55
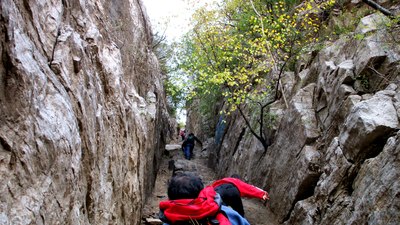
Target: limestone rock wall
334	155
82	112
203	126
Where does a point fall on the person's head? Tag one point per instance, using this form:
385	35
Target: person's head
184	186
235	176
191	134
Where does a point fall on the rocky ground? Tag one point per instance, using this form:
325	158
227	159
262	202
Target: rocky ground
256	213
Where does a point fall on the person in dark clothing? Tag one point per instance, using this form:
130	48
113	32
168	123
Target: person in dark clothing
232	189
188	145
231	196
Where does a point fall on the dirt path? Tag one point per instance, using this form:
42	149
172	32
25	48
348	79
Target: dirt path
255	212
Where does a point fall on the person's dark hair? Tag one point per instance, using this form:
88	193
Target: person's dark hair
236	176
184	186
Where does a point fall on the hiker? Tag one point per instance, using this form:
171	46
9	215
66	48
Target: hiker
188	145
189	203
182	134
232	189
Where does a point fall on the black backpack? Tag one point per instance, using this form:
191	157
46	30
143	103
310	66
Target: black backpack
190	139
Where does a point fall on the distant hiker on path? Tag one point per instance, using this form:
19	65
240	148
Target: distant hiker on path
190	203
188	145
182	134
232	189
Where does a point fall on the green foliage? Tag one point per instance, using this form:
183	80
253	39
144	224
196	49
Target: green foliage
359	36
163	51
270	119
181	124
208	103
175	95
233	48
174	88
393	27
364	81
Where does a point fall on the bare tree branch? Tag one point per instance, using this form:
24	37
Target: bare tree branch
159	40
260	138
378	7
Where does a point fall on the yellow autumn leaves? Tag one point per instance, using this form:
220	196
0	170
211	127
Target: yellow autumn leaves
235	47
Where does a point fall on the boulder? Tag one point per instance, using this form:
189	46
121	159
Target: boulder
369	123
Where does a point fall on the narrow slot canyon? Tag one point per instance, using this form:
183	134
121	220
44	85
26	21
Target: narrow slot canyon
299	98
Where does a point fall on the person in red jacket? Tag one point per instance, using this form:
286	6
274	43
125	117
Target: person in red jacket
189	203
231	189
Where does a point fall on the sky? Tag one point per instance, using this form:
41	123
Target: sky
176	13
173	12
172	18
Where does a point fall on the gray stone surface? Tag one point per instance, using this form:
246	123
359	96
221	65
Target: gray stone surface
369	122
82	108
172	147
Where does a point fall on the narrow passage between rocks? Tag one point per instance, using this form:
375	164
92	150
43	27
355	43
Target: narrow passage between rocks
255	212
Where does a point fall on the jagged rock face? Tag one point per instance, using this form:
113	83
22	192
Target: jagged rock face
82	112
199	124
334	156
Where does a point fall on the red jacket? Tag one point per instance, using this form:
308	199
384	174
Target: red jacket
245	189
193	209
